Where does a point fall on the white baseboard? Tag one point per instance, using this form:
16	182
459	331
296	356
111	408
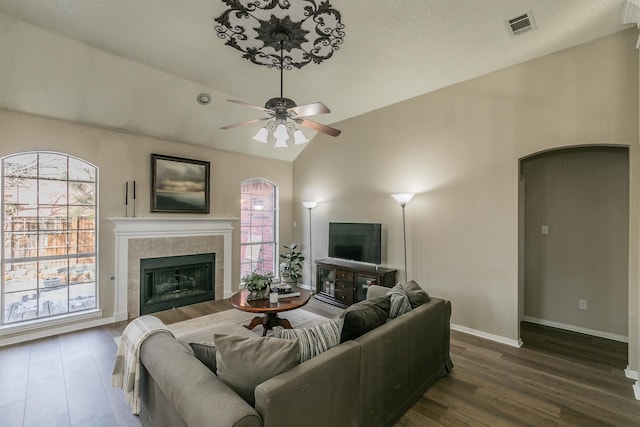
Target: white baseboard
579	329
486	335
631	374
55	330
636	390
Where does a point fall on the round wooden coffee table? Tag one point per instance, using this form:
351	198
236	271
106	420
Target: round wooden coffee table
270	310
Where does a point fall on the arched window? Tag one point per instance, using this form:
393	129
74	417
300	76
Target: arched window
258	226
49	214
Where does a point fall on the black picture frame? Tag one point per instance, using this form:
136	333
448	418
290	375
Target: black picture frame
179	185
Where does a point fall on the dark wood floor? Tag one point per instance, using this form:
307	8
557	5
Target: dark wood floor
556	378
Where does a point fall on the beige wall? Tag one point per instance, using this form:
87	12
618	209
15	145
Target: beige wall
582	196
124	157
458	148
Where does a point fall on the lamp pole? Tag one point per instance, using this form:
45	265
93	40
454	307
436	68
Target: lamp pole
402	199
309	206
404	238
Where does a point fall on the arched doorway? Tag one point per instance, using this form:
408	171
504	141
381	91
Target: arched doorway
574	233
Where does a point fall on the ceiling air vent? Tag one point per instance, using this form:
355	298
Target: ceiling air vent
521	24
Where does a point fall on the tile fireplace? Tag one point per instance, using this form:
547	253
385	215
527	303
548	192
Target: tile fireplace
146	238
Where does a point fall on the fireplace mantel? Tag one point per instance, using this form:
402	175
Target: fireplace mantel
152	228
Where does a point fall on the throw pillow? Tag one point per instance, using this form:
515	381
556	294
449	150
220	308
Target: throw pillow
399	301
206	353
315	340
364	316
417	296
245	362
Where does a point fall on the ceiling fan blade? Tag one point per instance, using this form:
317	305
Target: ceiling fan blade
318	126
246	122
246	104
310	109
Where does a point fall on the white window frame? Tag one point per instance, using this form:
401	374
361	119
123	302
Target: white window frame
38	321
276	221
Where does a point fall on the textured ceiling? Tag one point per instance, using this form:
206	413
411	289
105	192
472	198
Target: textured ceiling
138	65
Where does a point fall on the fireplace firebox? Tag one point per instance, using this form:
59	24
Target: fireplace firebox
176	281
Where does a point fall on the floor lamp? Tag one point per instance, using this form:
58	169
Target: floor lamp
402	199
310	205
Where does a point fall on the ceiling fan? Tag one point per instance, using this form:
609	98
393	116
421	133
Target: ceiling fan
283	112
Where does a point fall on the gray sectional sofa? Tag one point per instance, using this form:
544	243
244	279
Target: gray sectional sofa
369	381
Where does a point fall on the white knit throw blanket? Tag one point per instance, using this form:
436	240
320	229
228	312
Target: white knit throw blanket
126	368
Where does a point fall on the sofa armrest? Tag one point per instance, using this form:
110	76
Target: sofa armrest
376	291
323	391
419	341
183	390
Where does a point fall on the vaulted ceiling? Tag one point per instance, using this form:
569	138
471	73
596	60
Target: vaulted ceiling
139	65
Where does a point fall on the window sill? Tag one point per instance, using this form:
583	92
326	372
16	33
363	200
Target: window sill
31	325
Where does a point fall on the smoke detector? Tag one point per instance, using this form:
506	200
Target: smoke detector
203	98
521	24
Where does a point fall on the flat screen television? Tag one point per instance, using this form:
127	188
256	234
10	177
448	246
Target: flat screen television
356	241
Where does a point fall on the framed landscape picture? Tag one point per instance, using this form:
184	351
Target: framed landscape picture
179	185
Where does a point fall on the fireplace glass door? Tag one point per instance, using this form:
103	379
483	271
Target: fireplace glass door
176	281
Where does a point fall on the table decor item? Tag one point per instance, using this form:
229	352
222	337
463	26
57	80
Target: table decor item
258	284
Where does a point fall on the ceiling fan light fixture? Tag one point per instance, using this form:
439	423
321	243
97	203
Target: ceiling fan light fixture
299	137
281	132
281	143
261	135
282	34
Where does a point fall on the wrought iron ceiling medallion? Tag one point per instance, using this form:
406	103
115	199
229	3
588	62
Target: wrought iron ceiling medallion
261	28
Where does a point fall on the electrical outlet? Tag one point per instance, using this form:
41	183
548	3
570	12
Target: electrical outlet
545	229
582	304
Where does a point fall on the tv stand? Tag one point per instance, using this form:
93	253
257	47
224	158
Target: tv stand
343	283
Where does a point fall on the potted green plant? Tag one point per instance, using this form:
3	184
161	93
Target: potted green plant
258	284
291	265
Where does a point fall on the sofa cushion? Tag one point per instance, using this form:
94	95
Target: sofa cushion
399	301
417	295
206	353
205	332
245	362
314	340
364	316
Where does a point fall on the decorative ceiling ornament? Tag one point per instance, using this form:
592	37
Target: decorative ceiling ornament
260	28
